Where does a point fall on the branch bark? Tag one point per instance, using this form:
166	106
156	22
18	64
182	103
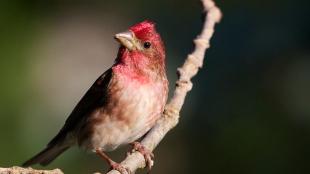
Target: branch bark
192	63
20	170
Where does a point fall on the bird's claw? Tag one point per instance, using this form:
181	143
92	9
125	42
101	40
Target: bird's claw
120	168
148	155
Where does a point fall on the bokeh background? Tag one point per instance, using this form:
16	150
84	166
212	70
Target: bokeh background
249	110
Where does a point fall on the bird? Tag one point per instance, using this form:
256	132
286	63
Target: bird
122	105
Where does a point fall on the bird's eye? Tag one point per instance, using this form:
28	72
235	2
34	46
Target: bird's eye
147	44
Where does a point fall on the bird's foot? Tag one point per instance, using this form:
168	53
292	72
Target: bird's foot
114	165
119	167
148	155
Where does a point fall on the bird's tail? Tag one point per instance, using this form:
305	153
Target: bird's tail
46	156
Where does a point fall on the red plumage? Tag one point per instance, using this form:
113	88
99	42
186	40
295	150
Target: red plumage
123	103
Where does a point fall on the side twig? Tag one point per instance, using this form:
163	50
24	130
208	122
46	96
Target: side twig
170	118
20	170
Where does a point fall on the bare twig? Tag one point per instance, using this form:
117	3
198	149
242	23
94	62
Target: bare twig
20	170
189	69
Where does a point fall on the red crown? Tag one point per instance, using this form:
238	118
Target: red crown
143	27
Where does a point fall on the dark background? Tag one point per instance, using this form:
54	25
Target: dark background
248	112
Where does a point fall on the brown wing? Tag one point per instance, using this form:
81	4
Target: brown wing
94	98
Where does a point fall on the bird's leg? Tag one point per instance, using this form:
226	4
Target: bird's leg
114	165
148	155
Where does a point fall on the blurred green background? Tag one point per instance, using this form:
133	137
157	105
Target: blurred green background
249	110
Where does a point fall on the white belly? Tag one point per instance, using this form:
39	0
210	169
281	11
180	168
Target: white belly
130	115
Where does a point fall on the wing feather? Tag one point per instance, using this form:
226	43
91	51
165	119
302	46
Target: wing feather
94	98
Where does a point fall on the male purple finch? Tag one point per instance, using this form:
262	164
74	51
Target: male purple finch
122	105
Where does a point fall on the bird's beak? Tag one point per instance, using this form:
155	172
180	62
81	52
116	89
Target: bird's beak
127	39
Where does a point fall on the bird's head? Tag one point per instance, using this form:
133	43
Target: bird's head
141	45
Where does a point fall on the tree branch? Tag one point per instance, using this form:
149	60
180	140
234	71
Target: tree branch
170	118
20	170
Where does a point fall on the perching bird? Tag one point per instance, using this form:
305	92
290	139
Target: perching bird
122	105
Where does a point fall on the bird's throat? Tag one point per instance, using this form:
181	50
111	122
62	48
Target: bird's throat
136	66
